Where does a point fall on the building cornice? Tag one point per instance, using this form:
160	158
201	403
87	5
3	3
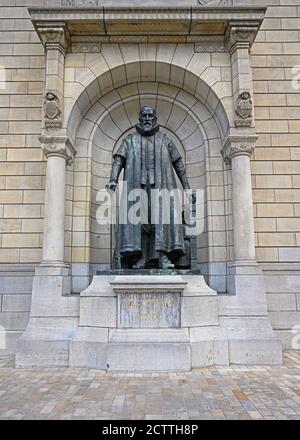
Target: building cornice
140	22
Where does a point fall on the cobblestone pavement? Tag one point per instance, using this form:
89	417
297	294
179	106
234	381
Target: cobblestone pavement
213	393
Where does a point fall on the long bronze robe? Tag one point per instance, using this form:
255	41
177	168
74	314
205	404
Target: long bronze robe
165	237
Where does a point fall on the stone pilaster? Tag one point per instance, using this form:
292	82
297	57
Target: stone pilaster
57	148
54	312
239	39
238	150
55	39
243	313
59	152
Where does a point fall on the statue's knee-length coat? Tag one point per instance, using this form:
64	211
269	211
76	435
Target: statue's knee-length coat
168	237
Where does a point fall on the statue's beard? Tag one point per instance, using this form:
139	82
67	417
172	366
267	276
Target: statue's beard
149	132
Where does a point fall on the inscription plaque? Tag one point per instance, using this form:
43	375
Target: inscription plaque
149	310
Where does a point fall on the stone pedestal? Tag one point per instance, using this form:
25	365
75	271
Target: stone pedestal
125	326
149	337
132	323
142	323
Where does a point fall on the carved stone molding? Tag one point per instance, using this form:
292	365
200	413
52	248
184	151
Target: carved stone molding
60	146
239	146
79	2
215	2
54	35
210	44
243	110
211	18
241	35
52	111
86	47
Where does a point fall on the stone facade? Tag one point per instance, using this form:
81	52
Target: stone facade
196	83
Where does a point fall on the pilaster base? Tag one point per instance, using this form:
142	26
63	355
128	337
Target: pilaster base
246	291
46	343
53	320
243	342
244	318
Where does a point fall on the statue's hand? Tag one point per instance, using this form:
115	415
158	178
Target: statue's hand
111	186
191	195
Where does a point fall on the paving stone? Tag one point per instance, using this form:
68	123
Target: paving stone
231	393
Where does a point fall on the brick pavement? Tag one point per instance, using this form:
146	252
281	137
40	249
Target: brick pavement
234	392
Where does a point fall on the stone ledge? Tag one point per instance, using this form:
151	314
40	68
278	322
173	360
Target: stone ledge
149	335
141	21
280	268
17	269
148	283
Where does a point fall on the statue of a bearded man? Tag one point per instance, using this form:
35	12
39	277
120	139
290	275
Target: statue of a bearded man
150	160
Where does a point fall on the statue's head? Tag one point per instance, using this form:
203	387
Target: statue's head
148	120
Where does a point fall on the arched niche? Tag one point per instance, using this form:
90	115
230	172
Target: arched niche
195	127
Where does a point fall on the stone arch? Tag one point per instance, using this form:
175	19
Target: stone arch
193	79
199	122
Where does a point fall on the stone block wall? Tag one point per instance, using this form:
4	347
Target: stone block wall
276	162
275	165
22	167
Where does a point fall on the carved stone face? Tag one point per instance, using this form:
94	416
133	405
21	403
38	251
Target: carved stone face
148	119
50	96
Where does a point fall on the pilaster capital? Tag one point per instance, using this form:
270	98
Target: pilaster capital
54	35
239	146
240	35
59	146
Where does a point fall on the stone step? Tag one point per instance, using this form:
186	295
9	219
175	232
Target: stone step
149	350
149	335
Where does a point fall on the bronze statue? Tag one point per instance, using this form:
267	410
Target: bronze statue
149	159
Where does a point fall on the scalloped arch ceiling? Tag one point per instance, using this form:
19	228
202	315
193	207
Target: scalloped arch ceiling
193	89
